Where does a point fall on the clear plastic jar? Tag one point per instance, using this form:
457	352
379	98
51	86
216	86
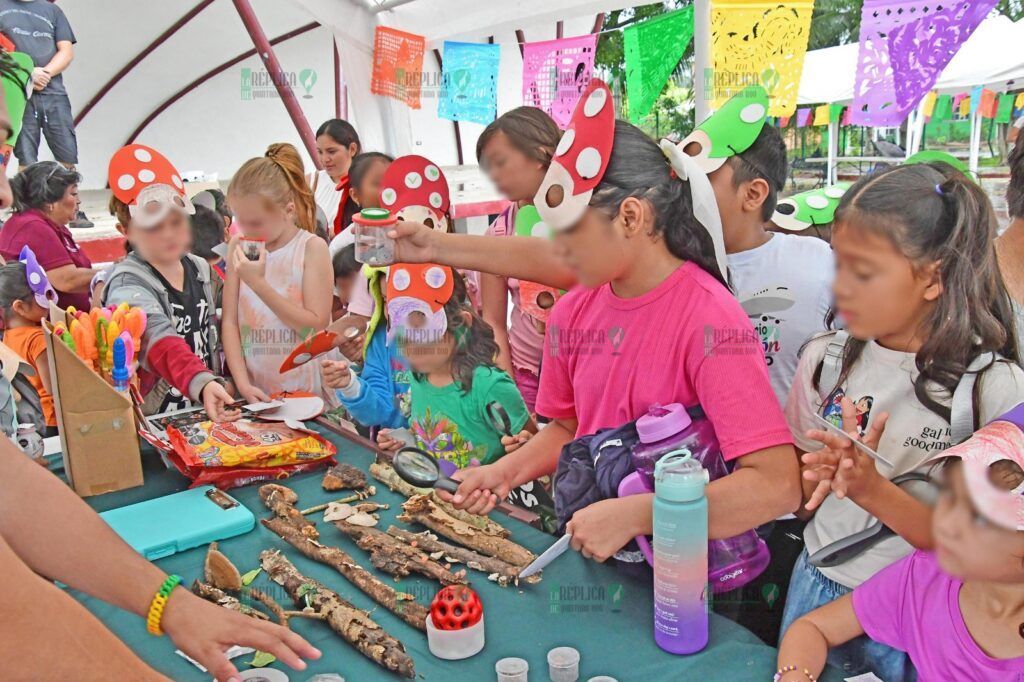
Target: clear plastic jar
373	245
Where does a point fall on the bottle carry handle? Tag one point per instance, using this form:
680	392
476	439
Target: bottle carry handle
634	485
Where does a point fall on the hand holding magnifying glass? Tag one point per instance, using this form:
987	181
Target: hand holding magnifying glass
419	468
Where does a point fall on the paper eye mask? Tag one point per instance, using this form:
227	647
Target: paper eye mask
536	300
416	296
816	207
38	282
730	130
414	188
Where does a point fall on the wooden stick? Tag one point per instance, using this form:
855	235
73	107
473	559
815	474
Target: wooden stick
399	603
387	475
222	598
354	626
281	501
361	495
421	509
427	541
395	557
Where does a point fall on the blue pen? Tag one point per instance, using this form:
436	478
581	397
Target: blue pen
120	372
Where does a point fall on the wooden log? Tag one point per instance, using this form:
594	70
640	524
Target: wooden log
401	604
281	501
387	475
421	509
504	574
353	625
397	558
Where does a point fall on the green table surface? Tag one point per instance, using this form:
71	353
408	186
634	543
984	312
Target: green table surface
604	614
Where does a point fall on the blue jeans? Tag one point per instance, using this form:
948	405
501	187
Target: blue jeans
809	589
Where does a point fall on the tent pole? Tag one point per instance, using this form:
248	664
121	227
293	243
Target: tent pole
340	89
270	62
975	141
703	76
833	140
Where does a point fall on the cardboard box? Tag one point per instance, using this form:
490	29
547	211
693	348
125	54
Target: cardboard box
96	423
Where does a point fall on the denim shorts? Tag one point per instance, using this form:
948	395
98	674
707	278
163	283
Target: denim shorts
809	589
50	115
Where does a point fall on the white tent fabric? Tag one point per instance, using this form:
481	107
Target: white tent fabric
212	129
991	58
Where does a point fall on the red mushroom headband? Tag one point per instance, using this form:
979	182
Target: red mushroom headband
416	295
580	160
414	188
148	183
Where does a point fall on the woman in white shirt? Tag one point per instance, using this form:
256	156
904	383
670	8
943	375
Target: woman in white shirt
336	143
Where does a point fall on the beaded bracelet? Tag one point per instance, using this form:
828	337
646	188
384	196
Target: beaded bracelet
156	607
792	668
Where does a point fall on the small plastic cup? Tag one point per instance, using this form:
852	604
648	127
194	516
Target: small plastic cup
602	678
564	664
373	245
251	247
512	669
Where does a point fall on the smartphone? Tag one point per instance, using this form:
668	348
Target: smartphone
829	426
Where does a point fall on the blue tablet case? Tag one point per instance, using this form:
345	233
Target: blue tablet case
174	523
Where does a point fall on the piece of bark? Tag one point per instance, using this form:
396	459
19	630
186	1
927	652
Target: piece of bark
428	542
344	477
281	501
220	572
423	510
353	625
387	475
397	558
222	598
401	604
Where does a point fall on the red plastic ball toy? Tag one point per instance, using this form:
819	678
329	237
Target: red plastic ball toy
456	607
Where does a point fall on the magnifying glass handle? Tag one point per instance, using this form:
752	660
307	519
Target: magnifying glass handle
446	484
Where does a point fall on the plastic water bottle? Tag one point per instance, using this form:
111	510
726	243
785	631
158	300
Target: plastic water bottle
680	554
29	441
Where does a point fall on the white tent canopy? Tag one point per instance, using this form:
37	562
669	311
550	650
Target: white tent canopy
211	128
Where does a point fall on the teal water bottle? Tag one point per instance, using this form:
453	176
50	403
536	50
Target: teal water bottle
680	554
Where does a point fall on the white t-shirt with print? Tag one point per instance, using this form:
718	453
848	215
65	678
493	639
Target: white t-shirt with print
785	286
882	381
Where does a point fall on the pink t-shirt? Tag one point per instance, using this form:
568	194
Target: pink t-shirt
525	342
607	359
913	606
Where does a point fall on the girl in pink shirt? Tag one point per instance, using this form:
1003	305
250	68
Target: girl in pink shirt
652	322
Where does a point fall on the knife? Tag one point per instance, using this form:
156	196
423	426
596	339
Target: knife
550	554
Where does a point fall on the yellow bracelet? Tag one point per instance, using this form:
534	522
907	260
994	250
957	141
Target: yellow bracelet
156	607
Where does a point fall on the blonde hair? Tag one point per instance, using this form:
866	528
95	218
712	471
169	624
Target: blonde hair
280	177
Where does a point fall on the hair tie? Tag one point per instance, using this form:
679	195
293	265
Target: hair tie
938	190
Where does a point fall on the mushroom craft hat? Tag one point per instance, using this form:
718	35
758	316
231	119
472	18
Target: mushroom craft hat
416	295
729	131
414	188
38	282
812	208
148	183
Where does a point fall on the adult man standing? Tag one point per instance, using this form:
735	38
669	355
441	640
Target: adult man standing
39	29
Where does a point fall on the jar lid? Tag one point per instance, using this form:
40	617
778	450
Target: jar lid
660	422
373	216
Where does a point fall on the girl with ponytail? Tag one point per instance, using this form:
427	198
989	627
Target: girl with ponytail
928	354
273	303
652	323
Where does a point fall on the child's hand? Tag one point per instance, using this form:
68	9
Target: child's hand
513	443
351	348
603	528
386	442
250	271
839	467
215	400
336	373
252	394
481	488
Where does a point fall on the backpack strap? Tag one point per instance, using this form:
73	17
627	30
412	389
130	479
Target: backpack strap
832	363
961	420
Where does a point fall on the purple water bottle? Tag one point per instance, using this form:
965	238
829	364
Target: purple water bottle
680	554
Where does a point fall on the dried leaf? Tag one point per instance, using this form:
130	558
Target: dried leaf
261	659
338	512
362	519
436	555
249	576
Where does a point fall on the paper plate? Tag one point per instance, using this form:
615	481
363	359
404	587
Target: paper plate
295	410
313	347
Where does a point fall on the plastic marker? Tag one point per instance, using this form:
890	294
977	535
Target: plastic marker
120	372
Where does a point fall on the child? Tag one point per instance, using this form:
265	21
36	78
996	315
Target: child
515	151
179	357
957	612
337	143
920	294
274	303
626	224
1010	245
208	234
22	310
346	272
364	177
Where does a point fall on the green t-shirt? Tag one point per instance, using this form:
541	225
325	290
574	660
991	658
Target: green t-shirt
453	425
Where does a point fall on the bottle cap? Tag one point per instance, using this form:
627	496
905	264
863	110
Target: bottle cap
373	216
679	478
660	422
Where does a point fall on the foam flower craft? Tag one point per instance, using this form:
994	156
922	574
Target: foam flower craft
148	183
536	300
730	130
416	295
38	282
414	188
580	160
813	208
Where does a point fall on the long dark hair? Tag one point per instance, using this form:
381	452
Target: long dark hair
638	169
529	129
42	183
13	287
341	131
934	213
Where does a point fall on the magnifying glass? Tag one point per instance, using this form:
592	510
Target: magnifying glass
499	418
421	469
